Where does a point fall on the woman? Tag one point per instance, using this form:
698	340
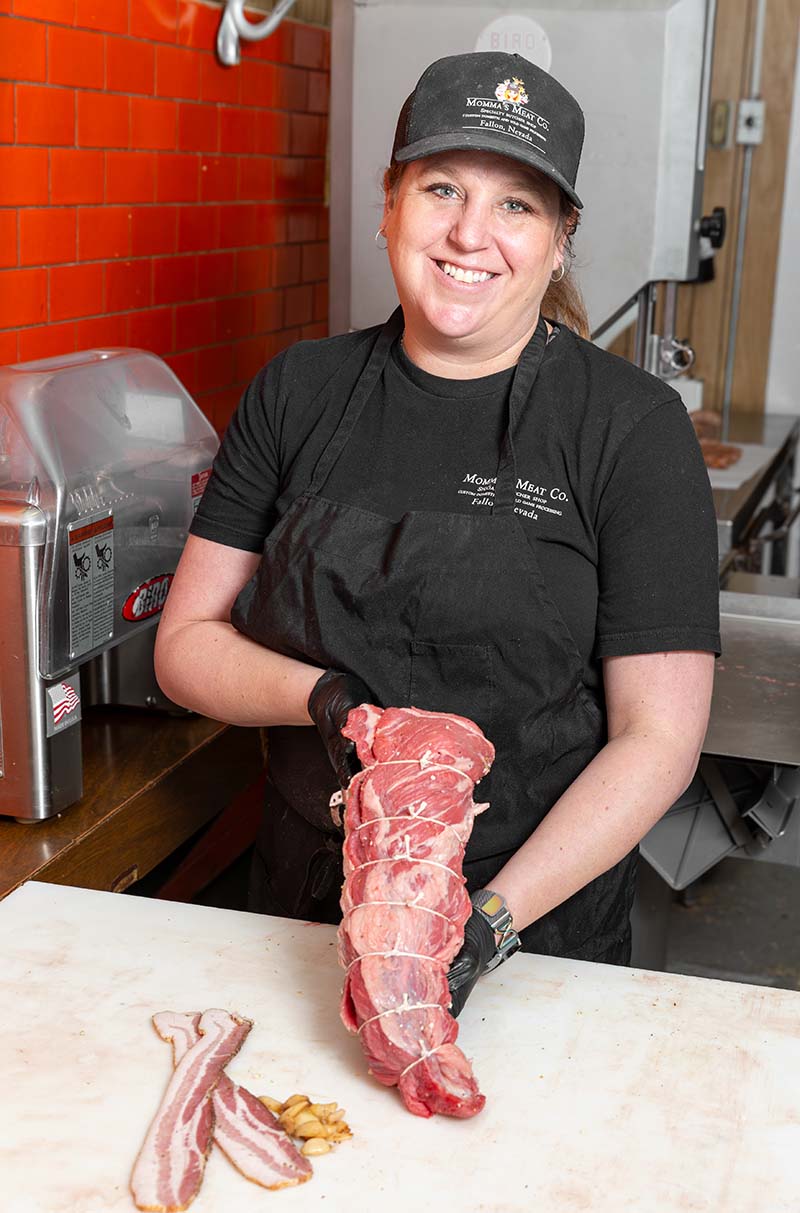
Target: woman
469	509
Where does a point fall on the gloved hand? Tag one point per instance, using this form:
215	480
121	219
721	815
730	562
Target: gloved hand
329	703
480	946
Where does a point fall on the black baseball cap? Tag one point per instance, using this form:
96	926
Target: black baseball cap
494	102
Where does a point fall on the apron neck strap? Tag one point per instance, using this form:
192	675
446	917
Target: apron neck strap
361	394
521	387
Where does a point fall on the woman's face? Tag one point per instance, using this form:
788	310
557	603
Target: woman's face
473	239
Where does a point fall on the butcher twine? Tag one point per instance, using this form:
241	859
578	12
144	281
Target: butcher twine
336	799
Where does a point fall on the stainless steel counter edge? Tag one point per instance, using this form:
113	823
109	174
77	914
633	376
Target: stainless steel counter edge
21	525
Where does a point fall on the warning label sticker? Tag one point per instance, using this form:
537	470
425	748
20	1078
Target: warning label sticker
91	583
199	482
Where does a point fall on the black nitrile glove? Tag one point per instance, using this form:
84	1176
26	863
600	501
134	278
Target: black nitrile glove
329	704
480	946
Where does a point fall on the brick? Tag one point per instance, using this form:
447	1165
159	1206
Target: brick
198	25
215	275
108	15
301	224
6	112
128	285
307	135
8	239
174	280
234	317
255	178
195	325
55	11
272	223
45	115
218	179
130	176
253	269
323	222
152	330
185	367
237	129
130	66
298	305
23	176
76	176
249	357
215	366
76	290
259	83
103	120
154	123
153	230
218	83
315	263
103	232
198	228
320	301
219	406
102	332
279	46
155	20
312	332
281	341
23	53
177	178
309	46
286	264
178	72
267	311
9	348
272	133
23	297
291	90
198	128
239	225
75	57
47	235
319	88
47	341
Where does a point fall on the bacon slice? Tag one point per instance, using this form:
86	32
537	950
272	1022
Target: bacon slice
169	1170
243	1128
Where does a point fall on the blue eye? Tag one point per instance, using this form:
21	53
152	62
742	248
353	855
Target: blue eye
442	189
517	207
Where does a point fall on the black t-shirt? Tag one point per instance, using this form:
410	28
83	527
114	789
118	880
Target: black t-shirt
612	491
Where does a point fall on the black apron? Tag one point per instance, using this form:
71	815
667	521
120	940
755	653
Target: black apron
443	611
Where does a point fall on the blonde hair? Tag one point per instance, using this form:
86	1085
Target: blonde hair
562	301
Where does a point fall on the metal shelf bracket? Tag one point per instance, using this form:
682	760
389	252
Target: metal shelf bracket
234	26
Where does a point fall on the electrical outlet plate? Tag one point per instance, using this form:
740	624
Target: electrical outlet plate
750	121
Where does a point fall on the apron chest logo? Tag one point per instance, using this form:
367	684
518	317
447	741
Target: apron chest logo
147	599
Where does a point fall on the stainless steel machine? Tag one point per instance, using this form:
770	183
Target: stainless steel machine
103	458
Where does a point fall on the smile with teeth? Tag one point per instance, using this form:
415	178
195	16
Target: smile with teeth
455	271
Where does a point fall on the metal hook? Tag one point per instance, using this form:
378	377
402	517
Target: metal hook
234	26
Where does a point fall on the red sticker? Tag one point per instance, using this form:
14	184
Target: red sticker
147	599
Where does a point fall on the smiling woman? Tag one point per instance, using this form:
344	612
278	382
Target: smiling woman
461	511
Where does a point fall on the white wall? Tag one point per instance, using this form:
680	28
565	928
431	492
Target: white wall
783	373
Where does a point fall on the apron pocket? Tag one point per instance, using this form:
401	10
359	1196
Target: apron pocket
453	678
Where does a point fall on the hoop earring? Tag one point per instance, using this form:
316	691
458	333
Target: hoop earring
560	276
381	232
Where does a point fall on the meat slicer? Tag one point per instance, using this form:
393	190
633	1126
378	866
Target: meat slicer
103	459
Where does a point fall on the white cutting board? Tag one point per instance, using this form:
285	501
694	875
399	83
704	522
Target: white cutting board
610	1090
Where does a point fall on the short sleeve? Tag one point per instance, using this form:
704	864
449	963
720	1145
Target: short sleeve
238	506
657	542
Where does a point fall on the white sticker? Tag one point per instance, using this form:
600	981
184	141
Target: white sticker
199	482
517	35
64	701
91	583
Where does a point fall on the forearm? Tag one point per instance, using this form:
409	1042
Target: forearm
209	667
600	818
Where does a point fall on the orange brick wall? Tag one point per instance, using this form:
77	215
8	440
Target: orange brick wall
150	197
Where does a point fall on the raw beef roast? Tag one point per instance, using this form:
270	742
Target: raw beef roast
408	817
